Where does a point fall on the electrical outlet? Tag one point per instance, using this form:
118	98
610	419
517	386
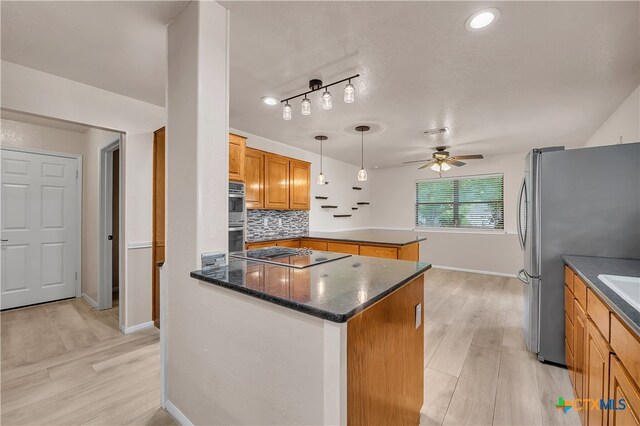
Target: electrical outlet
265	222
418	315
280	223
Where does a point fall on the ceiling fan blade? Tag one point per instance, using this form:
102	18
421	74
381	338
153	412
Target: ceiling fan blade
426	165
417	161
469	157
453	162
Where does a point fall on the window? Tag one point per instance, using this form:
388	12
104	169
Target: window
475	202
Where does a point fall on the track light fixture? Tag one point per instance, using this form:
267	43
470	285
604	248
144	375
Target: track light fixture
327	101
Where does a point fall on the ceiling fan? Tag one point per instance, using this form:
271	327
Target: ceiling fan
440	160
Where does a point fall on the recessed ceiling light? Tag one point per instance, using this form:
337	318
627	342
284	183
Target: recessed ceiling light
270	100
482	19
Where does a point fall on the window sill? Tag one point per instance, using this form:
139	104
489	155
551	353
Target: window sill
465	231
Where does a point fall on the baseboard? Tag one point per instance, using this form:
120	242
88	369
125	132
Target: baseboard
138	327
178	415
89	300
474	271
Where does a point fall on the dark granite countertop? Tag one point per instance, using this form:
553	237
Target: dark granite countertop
588	268
335	291
363	236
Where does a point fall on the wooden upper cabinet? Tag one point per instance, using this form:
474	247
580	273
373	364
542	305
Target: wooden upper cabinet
254	178
299	186
237	146
276	189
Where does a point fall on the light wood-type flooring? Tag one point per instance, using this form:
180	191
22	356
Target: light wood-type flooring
477	368
67	363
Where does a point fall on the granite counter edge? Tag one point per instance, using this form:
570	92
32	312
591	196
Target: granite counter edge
310	310
344	240
614	307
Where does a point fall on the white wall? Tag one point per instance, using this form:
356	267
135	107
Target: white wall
623	123
18	134
393	206
341	177
35	92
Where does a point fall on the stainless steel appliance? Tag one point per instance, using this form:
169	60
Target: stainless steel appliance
236	217
576	202
291	257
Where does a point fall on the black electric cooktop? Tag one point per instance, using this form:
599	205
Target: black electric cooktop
291	257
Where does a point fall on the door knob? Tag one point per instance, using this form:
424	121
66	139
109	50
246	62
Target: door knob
110	237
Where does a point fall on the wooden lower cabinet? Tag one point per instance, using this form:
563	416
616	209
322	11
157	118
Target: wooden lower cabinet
579	338
383	389
374	251
622	387
289	243
596	374
343	248
314	244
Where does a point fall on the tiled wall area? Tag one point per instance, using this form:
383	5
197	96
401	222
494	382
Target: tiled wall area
272	224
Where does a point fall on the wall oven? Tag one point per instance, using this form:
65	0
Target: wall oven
237	216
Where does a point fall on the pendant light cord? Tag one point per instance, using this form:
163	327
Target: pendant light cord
320	156
362	149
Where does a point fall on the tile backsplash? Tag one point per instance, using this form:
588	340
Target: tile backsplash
272	224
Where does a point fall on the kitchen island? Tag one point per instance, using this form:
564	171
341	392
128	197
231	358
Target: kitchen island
340	342
390	244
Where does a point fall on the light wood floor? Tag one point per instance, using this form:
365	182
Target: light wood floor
477	368
66	363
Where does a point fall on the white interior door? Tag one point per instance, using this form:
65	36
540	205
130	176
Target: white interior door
39	228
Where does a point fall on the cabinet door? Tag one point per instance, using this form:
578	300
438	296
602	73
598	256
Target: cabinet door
579	336
289	243
276	185
343	248
299	178
621	387
373	251
254	179
236	157
596	373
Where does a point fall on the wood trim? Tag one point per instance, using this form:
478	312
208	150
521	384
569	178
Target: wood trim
157	220
385	372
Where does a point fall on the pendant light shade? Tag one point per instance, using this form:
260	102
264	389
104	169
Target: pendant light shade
306	106
349	93
435	167
362	174
444	167
326	100
286	112
320	180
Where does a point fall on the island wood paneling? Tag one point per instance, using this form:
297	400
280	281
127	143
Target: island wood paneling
385	360
409	252
157	221
314	244
342	248
385	252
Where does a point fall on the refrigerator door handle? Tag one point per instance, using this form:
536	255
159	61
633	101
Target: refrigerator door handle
522	276
521	236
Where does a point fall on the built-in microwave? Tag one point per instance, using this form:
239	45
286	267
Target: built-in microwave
236	217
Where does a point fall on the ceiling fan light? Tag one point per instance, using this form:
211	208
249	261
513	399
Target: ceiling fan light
349	93
362	175
445	167
306	106
286	112
435	167
326	100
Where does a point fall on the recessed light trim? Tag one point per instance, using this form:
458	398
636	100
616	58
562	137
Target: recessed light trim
270	100
482	19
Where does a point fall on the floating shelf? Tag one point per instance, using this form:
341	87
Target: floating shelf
363	203
329	207
354	208
321	198
341	215
357	188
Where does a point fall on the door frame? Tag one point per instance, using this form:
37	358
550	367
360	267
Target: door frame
105	220
79	179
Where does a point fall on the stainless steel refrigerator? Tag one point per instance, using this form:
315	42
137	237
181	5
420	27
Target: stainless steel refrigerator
577	202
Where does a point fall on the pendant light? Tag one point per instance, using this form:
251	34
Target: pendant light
349	93
362	174
306	106
326	100
286	112
320	180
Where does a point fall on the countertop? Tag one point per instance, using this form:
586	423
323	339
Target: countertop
335	291
588	268
363	236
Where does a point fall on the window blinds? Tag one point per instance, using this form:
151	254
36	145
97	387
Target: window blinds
475	202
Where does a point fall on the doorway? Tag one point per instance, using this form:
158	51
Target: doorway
110	288
158	224
40	226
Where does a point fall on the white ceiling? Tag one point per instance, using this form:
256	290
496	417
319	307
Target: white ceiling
118	46
546	73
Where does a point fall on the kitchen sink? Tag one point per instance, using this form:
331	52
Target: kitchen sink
626	287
